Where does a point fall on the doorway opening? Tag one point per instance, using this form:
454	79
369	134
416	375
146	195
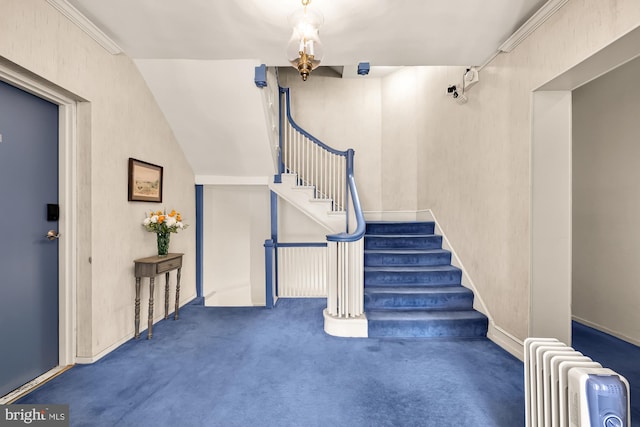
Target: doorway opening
552	188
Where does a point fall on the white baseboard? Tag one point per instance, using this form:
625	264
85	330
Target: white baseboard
506	341
103	353
349	328
422	215
128	336
606	330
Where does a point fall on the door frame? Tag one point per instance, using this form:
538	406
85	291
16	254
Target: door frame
67	183
550	311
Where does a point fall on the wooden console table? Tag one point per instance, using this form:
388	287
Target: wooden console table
151	267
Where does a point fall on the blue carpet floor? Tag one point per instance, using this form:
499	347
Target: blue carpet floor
613	353
259	367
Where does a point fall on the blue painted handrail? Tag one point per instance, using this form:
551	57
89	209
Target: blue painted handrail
357	208
285	91
351	183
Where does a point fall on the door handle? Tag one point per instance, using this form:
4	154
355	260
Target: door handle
52	235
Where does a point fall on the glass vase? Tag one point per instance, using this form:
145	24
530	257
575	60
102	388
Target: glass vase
163	243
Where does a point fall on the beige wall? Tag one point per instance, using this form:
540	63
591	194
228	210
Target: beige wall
236	224
120	120
400	136
606	202
343	113
474	162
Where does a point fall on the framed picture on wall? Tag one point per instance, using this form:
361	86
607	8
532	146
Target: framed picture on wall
145	181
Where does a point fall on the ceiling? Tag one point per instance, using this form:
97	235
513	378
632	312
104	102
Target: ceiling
382	32
198	57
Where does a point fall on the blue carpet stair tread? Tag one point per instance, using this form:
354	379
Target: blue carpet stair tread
406	241
384	227
402	257
408	323
411	288
419	298
419	290
408	315
428	275
414	268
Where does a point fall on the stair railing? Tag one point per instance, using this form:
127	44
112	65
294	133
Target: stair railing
331	173
315	163
345	285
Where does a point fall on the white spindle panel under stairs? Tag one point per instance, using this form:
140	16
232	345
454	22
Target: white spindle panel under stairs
345	296
302	270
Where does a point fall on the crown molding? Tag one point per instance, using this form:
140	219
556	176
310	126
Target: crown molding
86	25
538	18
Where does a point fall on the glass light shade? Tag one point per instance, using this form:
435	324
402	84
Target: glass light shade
305	50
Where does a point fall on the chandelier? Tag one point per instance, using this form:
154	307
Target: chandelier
305	50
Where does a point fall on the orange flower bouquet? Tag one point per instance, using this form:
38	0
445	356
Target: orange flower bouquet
163	225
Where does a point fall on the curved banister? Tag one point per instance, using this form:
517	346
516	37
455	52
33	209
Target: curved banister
285	90
357	208
350	178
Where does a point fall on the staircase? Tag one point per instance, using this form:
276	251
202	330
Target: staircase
304	198
410	287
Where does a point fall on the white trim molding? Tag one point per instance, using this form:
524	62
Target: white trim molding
82	22
231	180
506	341
536	20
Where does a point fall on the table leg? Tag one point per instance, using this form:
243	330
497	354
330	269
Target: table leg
175	314
150	326
166	295
137	321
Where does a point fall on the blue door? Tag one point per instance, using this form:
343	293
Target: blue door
28	259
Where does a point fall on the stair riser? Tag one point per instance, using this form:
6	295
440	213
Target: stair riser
373	301
434	278
434	328
427	242
401	228
443	258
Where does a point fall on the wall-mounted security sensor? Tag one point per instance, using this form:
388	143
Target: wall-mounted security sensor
363	68
470	77
457	94
460	98
260	78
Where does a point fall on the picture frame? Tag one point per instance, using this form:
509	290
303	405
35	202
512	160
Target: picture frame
145	181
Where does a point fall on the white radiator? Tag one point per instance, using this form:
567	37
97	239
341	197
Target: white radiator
562	385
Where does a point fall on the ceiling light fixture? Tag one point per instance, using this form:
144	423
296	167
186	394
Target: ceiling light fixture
305	49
